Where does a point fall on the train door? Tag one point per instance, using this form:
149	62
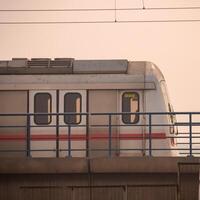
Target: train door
43	130
101	101
73	127
132	135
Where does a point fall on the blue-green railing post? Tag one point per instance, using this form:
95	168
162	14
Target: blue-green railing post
150	136
69	140
190	133
28	137
57	135
110	136
87	135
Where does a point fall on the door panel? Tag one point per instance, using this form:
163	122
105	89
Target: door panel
43	138
102	101
72	101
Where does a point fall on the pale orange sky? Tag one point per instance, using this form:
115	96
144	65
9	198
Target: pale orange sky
174	47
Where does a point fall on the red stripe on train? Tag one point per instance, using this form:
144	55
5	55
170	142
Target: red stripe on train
81	137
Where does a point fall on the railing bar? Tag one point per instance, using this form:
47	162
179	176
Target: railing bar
110	135
150	144
28	137
42	126
183	153
69	140
105	136
147	113
190	131
193	133
187	143
33	114
87	135
16	150
120	113
54	150
135	125
57	135
99	125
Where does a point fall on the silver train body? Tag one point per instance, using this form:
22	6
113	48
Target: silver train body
83	86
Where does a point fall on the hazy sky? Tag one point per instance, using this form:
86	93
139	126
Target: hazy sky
174	47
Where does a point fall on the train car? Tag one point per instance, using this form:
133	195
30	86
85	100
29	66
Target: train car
84	108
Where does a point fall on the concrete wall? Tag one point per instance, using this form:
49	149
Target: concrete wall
76	187
73	179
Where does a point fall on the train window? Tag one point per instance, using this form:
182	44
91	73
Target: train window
42	104
130	103
72	104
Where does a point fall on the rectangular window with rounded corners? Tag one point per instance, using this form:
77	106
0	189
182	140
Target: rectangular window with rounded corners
72	104
42	104
130	103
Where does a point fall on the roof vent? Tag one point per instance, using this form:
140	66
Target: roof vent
37	66
62	62
39	62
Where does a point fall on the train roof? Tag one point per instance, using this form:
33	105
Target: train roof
62	66
44	71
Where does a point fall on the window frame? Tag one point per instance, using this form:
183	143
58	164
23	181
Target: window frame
136	115
64	106
35	114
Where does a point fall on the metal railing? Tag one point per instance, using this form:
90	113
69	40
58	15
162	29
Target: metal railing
149	125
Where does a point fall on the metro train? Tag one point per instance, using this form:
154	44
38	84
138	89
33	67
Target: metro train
59	99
